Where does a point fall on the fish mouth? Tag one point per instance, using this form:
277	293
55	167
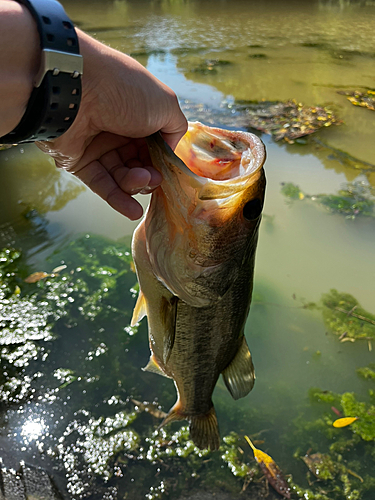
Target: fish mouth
213	163
220	155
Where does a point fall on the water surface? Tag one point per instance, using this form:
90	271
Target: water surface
274	51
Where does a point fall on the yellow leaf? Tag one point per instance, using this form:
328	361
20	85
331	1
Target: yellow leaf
343	422
270	470
33	278
301	196
17	290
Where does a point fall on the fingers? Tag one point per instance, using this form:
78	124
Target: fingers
177	128
99	180
118	175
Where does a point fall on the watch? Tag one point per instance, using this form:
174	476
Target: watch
56	96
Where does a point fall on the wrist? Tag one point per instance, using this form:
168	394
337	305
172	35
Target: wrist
56	92
19	63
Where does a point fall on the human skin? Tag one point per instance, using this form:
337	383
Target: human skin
122	103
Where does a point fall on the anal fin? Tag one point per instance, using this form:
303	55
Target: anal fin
140	309
239	376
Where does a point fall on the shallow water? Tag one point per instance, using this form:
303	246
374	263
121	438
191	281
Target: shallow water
276	51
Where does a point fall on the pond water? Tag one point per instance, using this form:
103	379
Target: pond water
70	363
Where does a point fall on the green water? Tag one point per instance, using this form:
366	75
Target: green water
79	364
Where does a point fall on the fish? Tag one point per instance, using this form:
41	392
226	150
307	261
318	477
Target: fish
194	254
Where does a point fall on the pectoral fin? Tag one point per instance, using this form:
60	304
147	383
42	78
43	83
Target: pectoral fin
239	376
153	367
168	315
140	309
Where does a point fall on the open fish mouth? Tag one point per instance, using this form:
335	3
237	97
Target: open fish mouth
220	155
223	159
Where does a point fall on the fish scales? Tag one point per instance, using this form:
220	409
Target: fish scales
194	254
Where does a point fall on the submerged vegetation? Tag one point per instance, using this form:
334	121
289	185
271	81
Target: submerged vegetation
356	199
105	443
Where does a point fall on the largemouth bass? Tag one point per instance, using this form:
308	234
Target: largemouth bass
194	256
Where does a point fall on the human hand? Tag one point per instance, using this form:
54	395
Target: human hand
122	103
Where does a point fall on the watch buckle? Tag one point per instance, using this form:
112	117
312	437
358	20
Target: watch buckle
57	62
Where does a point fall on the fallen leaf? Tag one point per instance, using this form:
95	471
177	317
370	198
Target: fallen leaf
343	422
33	278
270	470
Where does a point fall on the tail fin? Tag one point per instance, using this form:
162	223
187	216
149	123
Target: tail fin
204	429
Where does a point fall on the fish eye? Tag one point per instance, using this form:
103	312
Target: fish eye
252	209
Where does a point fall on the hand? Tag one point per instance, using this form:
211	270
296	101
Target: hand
122	103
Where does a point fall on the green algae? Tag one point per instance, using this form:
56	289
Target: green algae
291	191
344	316
367	372
355	199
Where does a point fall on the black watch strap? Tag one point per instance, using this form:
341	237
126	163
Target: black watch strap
56	96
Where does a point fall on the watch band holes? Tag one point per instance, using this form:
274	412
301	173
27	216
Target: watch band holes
75	92
42	131
71	42
52	137
60	130
67	119
56	90
50	37
67	26
46	20
54	105
72	106
48	120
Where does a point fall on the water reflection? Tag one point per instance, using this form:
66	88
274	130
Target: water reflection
32	429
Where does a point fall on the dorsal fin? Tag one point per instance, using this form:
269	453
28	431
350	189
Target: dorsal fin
140	309
239	376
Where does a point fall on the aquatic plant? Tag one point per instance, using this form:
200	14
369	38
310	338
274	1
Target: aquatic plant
353	200
345	317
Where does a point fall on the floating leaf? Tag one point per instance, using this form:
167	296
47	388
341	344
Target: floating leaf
270	470
33	278
289	120
363	99
344	422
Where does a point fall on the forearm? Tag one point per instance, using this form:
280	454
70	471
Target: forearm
19	62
